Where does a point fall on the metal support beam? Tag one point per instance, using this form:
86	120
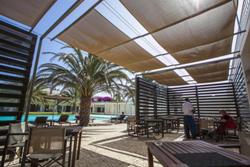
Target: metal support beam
83	15
165	54
31	83
37	58
71	9
38	19
188	65
236	15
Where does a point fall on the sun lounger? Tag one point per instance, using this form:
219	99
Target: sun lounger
40	121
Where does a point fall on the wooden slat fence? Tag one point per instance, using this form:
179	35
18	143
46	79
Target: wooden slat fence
154	100
16	55
242	99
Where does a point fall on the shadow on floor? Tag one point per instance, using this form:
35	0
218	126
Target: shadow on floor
92	159
99	130
108	139
136	145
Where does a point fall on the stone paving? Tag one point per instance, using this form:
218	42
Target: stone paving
110	146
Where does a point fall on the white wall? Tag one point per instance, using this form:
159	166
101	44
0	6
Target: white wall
116	108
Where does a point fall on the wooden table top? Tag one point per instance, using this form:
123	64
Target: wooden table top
166	152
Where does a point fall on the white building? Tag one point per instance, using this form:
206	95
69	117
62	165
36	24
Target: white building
113	108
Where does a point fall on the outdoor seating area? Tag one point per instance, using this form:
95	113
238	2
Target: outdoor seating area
183	67
166	115
40	146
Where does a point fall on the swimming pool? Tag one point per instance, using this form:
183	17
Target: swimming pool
31	118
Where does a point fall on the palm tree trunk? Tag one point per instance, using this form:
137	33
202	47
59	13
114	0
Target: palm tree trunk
85	104
75	99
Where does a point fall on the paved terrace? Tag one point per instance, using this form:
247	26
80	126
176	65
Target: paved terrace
110	146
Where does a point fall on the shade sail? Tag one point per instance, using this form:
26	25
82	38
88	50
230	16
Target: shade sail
149	64
28	12
207	28
155	14
93	33
203	52
189	30
202	74
210	72
132	56
169	78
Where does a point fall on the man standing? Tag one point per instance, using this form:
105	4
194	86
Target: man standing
189	124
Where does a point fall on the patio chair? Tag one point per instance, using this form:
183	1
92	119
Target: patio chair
204	127
63	119
134	128
3	135
46	146
15	139
131	125
121	118
41	121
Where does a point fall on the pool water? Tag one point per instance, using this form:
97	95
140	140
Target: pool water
31	118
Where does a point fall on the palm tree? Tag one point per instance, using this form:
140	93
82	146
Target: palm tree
38	92
129	90
84	72
126	91
73	94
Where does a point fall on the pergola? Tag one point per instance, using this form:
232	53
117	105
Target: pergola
173	42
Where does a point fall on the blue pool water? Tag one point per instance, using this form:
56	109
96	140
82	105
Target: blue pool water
31	118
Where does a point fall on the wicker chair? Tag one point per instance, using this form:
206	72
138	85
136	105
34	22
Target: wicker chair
46	146
15	138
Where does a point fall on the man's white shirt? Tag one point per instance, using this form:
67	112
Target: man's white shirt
187	108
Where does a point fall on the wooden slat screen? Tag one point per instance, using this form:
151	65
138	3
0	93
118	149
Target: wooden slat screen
176	96
161	101
215	97
16	55
145	99
242	99
154	100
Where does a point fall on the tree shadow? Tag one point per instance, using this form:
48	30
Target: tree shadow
92	159
136	145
